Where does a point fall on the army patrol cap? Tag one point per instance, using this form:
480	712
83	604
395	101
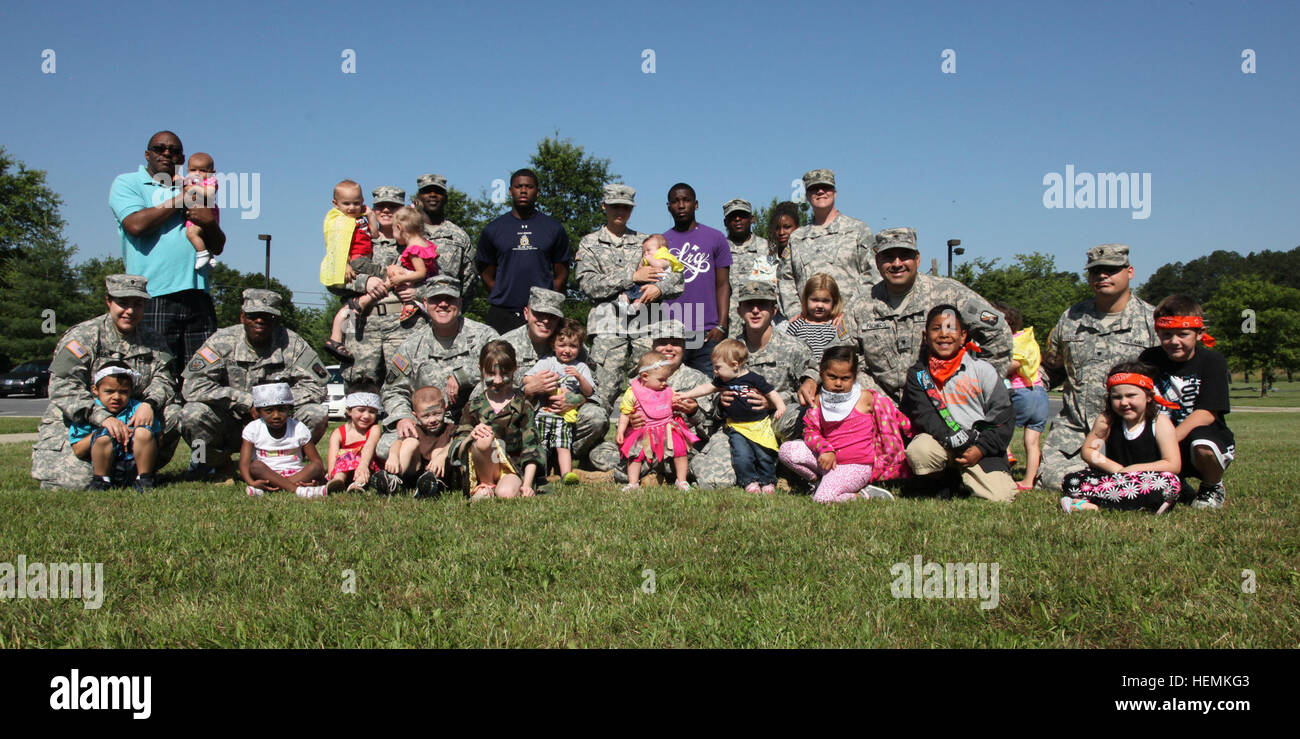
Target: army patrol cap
818	177
1108	255
387	194
431	180
541	300
756	290
736	204
441	285
616	194
257	300
896	238
127	286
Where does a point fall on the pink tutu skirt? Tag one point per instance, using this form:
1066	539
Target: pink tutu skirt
649	442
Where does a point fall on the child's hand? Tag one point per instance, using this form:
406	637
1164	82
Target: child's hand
349	274
370	214
618	438
779	412
826	460
438	466
571	371
361	476
527	492
481	431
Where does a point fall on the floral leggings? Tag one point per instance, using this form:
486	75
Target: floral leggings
1123	490
837	486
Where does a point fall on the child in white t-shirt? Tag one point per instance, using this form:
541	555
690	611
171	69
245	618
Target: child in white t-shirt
277	453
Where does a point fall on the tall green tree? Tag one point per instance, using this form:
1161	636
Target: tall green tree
91	274
1257	326
1200	278
228	287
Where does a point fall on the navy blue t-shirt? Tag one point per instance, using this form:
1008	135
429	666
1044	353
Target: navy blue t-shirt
523	252
740	410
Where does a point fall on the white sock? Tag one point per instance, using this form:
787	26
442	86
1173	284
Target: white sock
202	259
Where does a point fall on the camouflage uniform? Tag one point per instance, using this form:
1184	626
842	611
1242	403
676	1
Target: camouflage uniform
603	268
1088	346
82	351
785	362
374	337
841	249
455	252
889	340
220	377
424	360
606	455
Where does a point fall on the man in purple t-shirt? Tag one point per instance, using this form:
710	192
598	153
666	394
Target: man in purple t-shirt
703	304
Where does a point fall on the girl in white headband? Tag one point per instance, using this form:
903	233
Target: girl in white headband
352	445
277	453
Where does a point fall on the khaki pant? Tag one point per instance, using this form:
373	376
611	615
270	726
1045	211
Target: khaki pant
927	456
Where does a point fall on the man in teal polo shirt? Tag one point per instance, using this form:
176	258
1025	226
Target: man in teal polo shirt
151	215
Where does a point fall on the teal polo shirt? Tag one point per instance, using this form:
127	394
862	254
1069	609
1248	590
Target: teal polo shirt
164	255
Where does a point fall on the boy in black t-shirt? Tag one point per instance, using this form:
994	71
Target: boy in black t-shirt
1197	380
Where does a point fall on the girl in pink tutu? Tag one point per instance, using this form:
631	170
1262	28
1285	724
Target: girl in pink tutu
352	445
664	434
419	256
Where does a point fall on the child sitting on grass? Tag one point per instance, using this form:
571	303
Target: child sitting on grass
851	436
750	433
963	412
665	433
352	445
1131	451
118	452
277	453
556	431
1195	380
426	451
496	441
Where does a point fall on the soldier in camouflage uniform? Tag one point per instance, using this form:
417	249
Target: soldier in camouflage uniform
82	351
531	341
779	358
607	263
219	380
1091	337
442	354
752	257
887	326
669	339
373	337
455	252
832	243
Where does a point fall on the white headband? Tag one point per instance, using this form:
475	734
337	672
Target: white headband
275	393
110	371
362	400
656	365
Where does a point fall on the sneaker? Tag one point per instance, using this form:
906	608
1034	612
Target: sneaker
202	259
753	488
311	491
254	492
355	487
1210	497
768	489
428	486
871	492
571	478
385	482
682	485
99	483
631	486
144	483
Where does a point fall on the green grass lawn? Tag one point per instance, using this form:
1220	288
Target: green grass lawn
18	425
205	566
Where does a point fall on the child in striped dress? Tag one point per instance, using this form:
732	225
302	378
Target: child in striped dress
821	319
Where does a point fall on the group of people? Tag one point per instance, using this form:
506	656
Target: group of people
823	355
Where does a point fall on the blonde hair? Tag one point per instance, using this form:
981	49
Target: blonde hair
347	184
730	350
822	281
410	219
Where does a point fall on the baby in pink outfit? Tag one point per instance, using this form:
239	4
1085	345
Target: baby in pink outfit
201	189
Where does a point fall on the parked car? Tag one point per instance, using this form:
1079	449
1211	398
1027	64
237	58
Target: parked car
29	377
334	392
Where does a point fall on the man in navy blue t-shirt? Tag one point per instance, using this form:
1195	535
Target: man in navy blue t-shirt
522	249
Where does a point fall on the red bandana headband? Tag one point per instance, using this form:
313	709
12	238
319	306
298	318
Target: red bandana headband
1176	322
1142	381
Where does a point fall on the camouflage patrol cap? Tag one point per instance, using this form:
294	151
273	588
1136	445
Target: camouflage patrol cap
896	238
387	194
756	290
257	300
617	194
818	177
736	204
669	329
441	285
127	286
1108	255
541	300
431	180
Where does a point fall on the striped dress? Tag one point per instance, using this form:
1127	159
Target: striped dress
817	336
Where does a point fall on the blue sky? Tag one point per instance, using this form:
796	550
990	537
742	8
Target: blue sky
744	98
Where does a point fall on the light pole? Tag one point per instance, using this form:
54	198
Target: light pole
265	237
951	251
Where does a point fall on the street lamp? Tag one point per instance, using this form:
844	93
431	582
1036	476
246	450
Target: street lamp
951	243
265	237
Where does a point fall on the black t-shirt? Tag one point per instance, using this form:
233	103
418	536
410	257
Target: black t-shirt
523	252
1199	384
740	410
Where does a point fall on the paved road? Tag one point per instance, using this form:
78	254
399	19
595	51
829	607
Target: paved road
22	406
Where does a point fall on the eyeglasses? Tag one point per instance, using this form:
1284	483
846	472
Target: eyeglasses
163	148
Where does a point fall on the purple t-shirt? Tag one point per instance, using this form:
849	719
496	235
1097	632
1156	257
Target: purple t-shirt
702	249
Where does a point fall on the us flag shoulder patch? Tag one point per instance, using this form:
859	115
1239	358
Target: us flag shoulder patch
77	349
208	355
401	363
